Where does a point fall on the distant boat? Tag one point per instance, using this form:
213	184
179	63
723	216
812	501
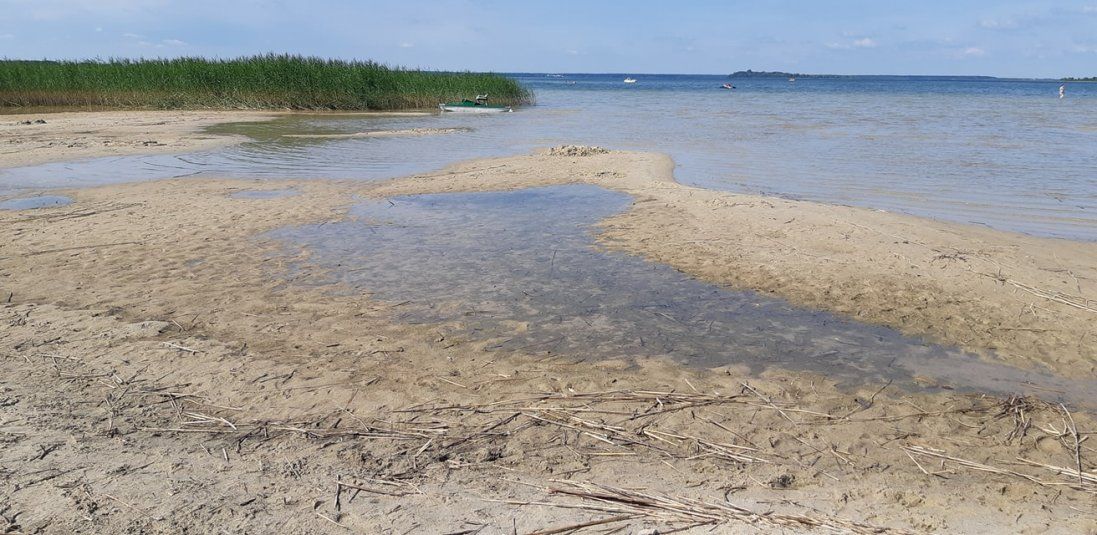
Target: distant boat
554	75
480	105
630	80
727	86
792	78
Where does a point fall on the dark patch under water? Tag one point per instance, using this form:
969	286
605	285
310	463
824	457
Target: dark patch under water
41	201
521	269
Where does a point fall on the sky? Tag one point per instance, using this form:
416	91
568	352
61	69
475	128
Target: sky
974	37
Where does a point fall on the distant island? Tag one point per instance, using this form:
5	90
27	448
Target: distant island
765	74
1090	79
782	74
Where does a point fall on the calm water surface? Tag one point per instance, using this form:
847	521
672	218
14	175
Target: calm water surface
1008	154
480	265
31	203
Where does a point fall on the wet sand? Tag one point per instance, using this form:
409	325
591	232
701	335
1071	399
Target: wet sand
66	136
153	338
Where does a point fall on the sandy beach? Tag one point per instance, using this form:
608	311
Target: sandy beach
34	138
154	338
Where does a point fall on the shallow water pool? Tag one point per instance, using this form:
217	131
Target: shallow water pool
521	271
29	203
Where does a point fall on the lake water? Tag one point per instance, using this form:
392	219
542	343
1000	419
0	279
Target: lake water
1008	154
479	267
31	203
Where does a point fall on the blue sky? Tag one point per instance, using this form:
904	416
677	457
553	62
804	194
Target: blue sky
1003	38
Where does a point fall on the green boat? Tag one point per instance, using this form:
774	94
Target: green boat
479	105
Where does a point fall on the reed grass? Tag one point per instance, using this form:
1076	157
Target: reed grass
272	81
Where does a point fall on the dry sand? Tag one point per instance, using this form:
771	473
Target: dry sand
160	376
74	135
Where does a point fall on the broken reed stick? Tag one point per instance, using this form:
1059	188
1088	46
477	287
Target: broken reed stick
1077	442
769	403
414	490
1087	478
332	520
581	525
1085	482
681	510
1075	301
181	348
1058	297
199	419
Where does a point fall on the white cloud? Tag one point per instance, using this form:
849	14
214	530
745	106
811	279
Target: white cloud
407	45
862	42
133	36
7	36
972	52
174	42
998	24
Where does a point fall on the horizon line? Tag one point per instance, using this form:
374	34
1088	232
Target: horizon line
636	73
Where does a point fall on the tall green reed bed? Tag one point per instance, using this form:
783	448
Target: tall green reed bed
257	82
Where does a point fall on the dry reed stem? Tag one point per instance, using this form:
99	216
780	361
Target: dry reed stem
682	510
1087	482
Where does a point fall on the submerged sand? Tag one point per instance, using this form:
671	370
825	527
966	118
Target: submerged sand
403	132
151	341
1021	299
